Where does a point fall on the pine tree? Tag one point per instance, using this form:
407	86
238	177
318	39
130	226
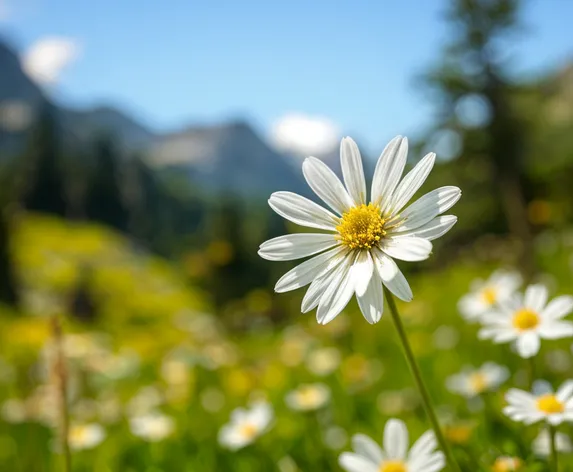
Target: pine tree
471	73
42	184
104	197
8	289
142	193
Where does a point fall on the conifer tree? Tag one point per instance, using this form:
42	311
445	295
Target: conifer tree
473	84
104	200
42	184
8	288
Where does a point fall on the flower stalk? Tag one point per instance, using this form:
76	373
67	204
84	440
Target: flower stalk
531	371
61	392
553	448
414	368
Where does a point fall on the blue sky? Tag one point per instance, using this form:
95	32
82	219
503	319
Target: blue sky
186	62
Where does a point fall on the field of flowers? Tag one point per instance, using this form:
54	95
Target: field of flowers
156	383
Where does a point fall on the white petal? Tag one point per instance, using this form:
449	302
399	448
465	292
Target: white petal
367	447
306	272
238	415
302	211
535	297
337	294
362	272
261	415
556	330
425	445
434	229
312	296
565	391
487	332
528	345
555	419
558	307
296	246
505	335
516	396
395	439
326	185
427	208
472	307
354	463
407	248
229	438
389	170
319	285
410	184
432	463
392	277
352	170
372	302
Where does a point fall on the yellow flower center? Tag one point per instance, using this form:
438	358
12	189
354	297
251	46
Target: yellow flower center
308	396
362	227
489	295
78	434
507	464
478	382
525	319
248	430
458	434
549	403
393	466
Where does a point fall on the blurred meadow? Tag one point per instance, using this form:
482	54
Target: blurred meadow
138	238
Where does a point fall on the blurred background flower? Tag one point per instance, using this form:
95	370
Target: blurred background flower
138	147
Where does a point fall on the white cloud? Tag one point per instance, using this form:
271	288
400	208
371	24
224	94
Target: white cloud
47	58
305	135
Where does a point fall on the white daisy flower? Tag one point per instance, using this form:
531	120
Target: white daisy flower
542	443
356	254
152	427
507	464
308	397
14	411
472	382
485	295
85	436
528	319
394	457
246	426
554	408
323	361
146	400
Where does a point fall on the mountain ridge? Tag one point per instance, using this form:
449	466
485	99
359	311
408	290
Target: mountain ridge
227	157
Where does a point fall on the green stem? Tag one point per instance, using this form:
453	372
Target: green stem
554	455
531	371
61	379
419	382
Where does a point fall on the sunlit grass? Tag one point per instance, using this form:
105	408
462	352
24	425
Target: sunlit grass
158	348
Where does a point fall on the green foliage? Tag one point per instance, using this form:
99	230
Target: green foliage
478	107
104	199
43	188
152	331
8	288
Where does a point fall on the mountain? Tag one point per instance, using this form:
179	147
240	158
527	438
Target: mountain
19	96
227	158
15	85
85	123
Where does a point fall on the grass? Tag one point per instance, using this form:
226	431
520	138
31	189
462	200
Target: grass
155	334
